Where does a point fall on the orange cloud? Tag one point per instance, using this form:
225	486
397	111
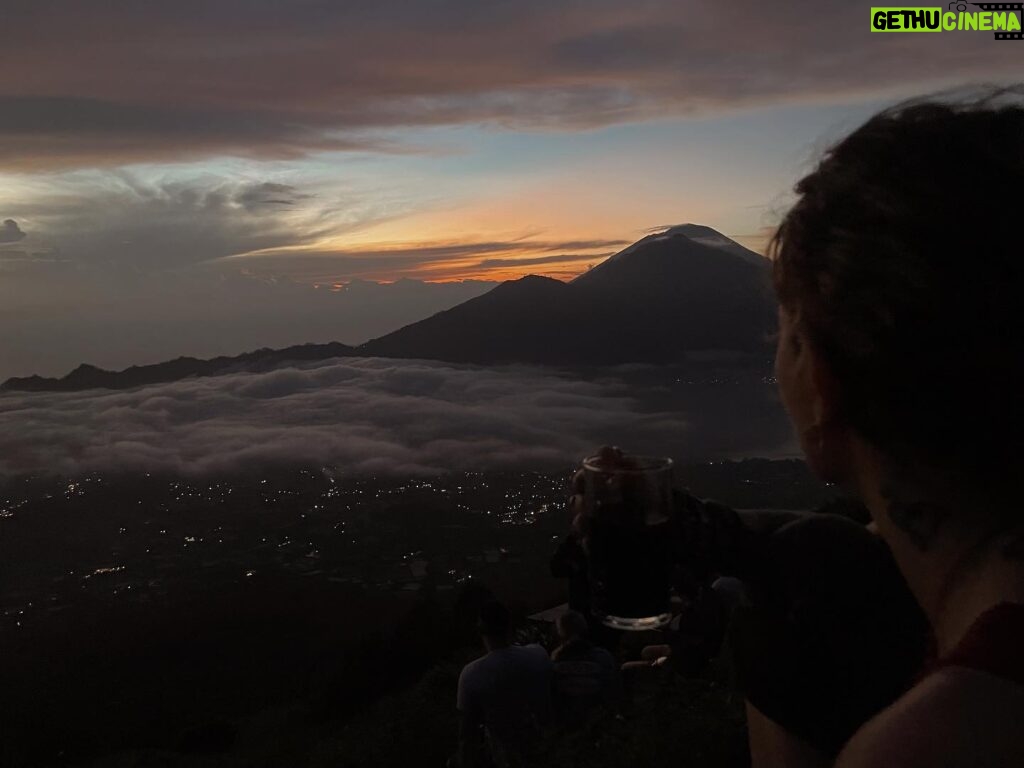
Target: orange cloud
436	261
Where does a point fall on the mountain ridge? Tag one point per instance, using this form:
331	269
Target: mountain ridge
87	376
655	301
673	296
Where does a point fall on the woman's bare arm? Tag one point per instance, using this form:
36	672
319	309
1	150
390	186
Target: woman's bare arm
772	746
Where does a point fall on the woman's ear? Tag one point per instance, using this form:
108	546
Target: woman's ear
825	388
811	395
826	440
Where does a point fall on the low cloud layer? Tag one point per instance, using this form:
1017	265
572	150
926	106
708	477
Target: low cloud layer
376	415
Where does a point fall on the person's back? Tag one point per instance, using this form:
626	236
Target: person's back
586	676
506	692
509	689
570	562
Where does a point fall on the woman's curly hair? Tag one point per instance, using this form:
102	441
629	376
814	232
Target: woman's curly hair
903	259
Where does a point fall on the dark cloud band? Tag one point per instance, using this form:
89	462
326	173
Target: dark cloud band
10	232
259	79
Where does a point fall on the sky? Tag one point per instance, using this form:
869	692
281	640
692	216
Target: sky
206	176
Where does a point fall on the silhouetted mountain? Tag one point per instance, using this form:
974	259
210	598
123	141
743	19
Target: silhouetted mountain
90	377
708	236
672	296
229	313
511	323
688	293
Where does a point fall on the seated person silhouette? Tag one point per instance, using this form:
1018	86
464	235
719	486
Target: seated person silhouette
570	562
504	698
586	676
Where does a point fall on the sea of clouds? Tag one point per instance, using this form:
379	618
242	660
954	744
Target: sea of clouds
370	415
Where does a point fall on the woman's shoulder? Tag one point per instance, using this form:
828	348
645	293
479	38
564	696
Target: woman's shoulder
954	717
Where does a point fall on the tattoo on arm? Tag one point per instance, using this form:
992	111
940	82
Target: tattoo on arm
920	520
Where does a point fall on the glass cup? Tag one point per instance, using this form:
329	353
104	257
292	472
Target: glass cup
627	505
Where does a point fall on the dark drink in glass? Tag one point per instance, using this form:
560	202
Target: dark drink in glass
627	506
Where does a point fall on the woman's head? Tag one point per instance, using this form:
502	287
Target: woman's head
899	277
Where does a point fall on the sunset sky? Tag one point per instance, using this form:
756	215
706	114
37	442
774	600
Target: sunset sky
177	151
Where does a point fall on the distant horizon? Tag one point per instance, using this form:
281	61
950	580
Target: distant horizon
175	178
385	306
